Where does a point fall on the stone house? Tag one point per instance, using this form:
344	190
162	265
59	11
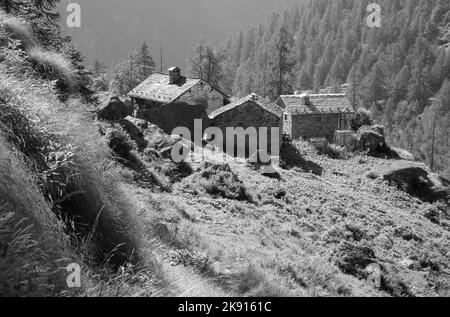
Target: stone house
172	100
249	112
315	116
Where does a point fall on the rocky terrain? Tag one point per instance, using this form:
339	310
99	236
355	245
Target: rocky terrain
305	232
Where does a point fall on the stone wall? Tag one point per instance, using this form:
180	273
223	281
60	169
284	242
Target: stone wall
205	95
313	126
177	114
246	116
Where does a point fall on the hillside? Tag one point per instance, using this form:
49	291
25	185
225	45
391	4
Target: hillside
79	190
290	238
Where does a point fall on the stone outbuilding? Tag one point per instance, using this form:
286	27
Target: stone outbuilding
250	112
172	100
315	116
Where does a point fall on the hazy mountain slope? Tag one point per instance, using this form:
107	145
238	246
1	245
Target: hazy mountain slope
111	28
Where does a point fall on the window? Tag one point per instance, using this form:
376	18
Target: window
285	116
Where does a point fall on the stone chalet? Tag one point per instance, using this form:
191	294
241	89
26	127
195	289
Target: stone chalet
315	116
172	100
249	112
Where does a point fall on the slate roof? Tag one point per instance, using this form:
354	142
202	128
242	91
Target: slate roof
268	106
157	88
318	104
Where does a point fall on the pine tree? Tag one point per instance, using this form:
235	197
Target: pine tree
283	64
144	62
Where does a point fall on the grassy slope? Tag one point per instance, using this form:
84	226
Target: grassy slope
285	245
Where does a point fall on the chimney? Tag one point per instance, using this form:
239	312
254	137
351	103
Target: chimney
174	75
305	99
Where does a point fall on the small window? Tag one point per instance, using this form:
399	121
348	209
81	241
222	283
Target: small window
285	116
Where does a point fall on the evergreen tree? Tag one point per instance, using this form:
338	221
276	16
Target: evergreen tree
144	62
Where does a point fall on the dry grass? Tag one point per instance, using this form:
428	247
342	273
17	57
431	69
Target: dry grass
53	66
16	28
77	190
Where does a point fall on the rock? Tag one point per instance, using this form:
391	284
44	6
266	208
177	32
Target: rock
371	139
114	110
403	154
157	138
164	231
271	172
407	263
418	181
129	125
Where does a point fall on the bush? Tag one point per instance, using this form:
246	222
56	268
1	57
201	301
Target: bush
120	142
219	180
333	151
361	118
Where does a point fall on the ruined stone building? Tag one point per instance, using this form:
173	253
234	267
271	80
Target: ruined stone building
172	100
315	116
249	112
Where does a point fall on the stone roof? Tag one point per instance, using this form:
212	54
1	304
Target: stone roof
318	104
157	88
268	106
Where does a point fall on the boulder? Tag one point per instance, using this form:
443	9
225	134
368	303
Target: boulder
371	139
157	138
417	180
403	154
114	110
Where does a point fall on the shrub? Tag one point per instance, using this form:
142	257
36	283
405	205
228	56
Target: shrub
292	155
333	151
219	180
361	118
120	142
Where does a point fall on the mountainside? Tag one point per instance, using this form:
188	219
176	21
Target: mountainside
92	203
393	70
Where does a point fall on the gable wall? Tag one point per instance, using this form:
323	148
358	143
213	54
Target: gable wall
248	115
212	98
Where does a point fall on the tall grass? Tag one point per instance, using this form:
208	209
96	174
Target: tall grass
50	65
53	65
78	182
15	28
32	240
